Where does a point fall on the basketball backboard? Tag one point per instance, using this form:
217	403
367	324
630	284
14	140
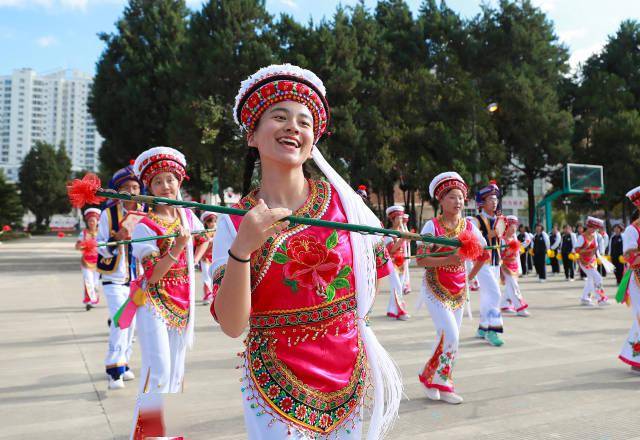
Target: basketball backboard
583	178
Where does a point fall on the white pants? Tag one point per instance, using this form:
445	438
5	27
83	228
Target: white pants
407	277
630	352
439	367
163	353
264	427
592	284
90	279
512	295
396	306
490	317
120	340
207	293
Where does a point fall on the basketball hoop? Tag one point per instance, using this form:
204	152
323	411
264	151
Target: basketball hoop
595	192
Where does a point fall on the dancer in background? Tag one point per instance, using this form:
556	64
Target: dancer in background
512	300
397	249
586	245
117	269
487	200
87	244
445	289
165	294
209	220
630	353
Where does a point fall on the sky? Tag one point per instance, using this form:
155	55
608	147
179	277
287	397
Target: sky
48	35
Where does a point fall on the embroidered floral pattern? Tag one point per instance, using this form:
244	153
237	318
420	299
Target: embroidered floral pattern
312	264
315	207
445	365
382	256
291	398
172	314
635	347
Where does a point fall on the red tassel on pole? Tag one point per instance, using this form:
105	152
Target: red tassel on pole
82	192
471	248
89	247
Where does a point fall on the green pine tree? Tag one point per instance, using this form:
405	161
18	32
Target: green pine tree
137	80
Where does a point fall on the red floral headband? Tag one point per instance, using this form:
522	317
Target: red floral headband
160	164
447	185
280	88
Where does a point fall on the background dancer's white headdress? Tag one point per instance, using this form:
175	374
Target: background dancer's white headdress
284	82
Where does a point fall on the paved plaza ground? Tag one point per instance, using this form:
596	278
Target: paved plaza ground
556	377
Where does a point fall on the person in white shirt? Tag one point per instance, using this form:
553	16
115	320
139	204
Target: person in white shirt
118	268
487	199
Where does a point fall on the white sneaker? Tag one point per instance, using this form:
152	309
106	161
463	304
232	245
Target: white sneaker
128	375
524	313
540	280
404	317
586	302
451	398
432	393
116	384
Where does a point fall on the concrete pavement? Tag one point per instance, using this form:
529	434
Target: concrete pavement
556	377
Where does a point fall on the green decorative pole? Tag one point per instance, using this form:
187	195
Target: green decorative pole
157	237
362	229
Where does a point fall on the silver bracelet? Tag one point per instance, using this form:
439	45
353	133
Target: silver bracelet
172	257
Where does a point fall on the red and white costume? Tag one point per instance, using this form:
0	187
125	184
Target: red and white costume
205	262
165	317
396	307
89	261
310	356
510	270
630	353
444	291
588	256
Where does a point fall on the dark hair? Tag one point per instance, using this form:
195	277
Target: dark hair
541	226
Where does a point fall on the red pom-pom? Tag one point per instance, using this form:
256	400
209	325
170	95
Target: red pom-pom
493	182
89	247
83	192
514	246
6	228
362	187
132	161
60	234
471	248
